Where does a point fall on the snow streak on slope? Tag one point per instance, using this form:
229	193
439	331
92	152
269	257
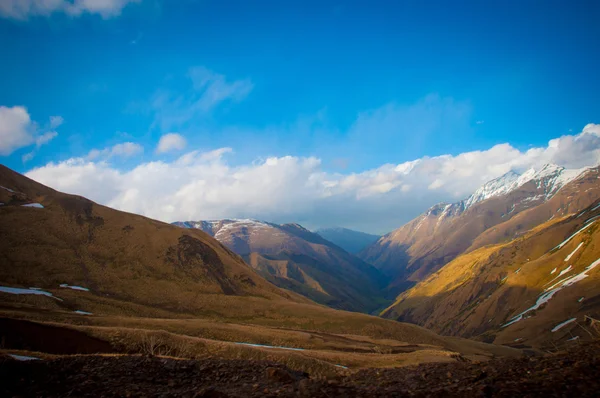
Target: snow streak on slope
560	325
572	236
573	252
547	295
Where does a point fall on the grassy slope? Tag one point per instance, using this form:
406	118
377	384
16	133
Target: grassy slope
146	275
431	241
480	291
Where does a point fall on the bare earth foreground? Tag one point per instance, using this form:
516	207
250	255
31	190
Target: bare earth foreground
570	373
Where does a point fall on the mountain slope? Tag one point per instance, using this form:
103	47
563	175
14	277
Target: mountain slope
349	240
294	258
535	289
68	239
492	214
133	284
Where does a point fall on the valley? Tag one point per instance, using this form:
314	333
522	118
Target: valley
228	199
293	258
134	285
522	282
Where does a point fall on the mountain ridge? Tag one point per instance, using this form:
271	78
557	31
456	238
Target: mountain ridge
423	245
292	257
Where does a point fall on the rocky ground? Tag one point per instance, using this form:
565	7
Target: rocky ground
572	373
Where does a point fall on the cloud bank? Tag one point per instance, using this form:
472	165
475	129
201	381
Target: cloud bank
203	185
23	9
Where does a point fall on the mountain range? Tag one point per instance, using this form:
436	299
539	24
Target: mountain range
297	259
77	277
492	214
513	264
348	239
452	269
500	266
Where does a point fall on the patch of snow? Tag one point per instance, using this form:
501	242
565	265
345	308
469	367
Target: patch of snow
562	324
8	189
542	299
591	219
564	271
17	290
580	299
553	271
341	366
34	205
573	338
83	312
572	236
576	278
419	224
597	207
23	357
83	289
574	251
443	215
581	214
550	178
547	295
517	271
270	346
496	187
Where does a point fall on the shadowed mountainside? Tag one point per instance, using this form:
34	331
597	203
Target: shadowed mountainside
294	258
349	240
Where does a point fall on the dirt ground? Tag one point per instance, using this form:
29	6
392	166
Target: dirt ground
571	373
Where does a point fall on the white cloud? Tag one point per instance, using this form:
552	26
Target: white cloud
124	150
207	90
203	185
170	142
480	122
56	121
45	138
27	157
17	130
23	9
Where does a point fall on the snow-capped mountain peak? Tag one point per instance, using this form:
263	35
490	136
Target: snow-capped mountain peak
550	178
496	187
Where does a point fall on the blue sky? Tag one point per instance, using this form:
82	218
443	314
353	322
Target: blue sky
355	84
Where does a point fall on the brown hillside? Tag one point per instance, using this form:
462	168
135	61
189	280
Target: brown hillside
296	259
516	292
421	247
130	282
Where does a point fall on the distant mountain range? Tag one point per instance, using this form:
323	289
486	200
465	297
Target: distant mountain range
490	215
294	258
77	277
516	263
349	240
